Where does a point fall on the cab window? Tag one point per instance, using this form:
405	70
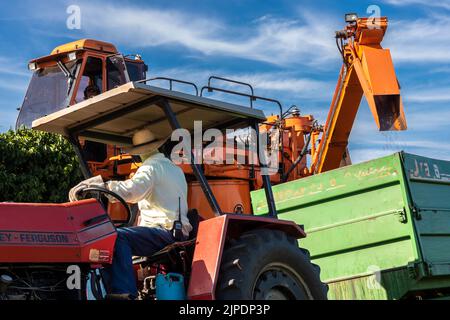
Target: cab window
117	72
91	81
136	70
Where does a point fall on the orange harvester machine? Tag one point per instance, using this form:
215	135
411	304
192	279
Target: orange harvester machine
305	147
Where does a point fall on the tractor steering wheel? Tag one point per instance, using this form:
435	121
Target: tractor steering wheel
121	223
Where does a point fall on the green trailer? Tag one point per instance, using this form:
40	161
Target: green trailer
378	229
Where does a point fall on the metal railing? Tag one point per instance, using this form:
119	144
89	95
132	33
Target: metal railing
210	88
252	97
171	81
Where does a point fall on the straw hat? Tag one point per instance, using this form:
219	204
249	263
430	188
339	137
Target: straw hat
145	141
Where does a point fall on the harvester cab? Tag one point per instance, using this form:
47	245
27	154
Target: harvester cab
74	72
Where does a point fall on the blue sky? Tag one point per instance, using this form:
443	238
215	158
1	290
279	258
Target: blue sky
284	48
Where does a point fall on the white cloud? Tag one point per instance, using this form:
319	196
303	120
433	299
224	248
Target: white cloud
275	82
419	41
425	123
428	95
308	40
428	144
377	149
13	76
445	4
395	142
13	67
440	69
304	87
422	123
8	84
436	120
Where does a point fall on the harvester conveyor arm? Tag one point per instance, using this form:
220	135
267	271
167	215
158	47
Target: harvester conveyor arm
368	70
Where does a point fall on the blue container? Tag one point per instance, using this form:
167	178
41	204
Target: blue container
170	287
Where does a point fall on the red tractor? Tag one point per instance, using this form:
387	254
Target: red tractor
229	255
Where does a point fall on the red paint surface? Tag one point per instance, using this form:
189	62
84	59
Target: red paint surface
211	237
34	232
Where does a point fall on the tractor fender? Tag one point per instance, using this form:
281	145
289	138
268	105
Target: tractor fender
211	237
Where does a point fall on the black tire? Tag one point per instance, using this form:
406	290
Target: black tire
267	264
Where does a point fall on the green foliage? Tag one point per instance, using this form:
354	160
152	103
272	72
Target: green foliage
36	167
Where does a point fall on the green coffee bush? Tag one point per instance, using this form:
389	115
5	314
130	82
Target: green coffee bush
36	167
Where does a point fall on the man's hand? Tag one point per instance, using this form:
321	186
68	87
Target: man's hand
96	181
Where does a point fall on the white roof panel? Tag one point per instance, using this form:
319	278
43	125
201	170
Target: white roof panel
125	109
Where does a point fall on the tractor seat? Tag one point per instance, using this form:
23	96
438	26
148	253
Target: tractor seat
194	220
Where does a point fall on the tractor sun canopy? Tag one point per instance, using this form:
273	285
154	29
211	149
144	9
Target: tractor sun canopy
113	117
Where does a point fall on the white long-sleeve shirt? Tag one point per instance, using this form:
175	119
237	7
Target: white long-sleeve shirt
156	187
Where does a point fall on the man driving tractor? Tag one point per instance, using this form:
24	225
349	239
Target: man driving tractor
159	188
91	91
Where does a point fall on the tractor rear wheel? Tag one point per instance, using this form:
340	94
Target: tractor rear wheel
267	264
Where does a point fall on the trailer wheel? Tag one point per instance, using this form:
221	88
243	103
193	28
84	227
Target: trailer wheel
268	265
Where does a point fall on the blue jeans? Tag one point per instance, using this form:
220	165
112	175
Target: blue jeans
132	241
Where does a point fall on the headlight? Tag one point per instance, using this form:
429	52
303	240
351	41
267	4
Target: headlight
32	66
72	56
351	17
